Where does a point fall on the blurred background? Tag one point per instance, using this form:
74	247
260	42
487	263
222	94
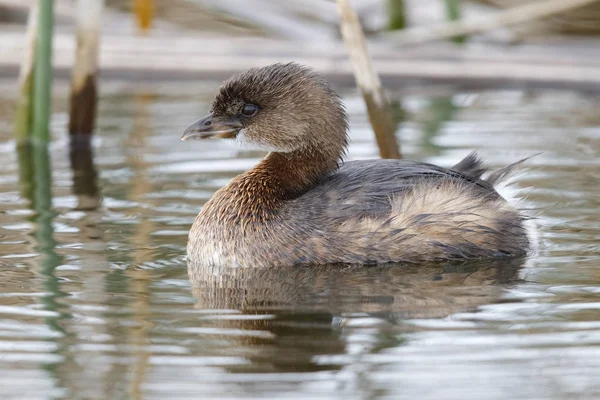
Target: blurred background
95	205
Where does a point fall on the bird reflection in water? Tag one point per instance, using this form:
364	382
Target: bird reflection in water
284	317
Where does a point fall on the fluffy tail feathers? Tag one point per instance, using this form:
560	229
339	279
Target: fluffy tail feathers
475	167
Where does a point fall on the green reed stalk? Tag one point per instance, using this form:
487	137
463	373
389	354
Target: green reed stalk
396	14
42	86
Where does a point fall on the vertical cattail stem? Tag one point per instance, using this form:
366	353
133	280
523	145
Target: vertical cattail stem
377	103
83	81
397	15
42	86
24	112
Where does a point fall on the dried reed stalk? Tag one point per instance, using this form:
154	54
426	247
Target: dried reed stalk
368	81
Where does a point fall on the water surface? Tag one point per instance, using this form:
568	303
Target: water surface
96	301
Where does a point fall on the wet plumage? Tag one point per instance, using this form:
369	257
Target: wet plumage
301	205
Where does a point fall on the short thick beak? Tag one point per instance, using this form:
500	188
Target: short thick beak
212	127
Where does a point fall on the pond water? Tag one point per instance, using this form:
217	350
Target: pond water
96	301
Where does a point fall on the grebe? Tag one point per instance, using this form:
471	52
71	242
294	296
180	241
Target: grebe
302	205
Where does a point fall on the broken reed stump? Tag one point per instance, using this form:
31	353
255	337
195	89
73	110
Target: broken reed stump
378	107
83	79
83	105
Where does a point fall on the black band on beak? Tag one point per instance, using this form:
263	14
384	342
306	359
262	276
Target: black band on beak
213	127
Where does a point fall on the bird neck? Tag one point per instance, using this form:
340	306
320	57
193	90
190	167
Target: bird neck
296	172
259	194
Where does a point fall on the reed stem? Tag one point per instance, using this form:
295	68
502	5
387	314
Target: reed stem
378	107
83	80
42	87
397	16
24	111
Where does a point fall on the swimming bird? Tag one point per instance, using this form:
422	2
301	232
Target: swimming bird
303	205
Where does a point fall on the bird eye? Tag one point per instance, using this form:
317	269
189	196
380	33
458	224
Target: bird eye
249	110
